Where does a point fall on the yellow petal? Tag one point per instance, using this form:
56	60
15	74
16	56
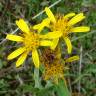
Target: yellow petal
23	25
14	38
35	58
21	59
52	35
68	43
55	43
46	43
37	26
50	14
16	53
40	26
46	22
69	15
81	29
79	17
71	59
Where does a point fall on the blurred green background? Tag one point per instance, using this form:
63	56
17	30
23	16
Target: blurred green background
11	78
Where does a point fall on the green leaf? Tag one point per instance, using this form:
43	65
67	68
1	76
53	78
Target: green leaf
29	88
62	89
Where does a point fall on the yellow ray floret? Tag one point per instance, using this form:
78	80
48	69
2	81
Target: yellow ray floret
69	15
68	43
50	14
16	53
73	58
40	26
14	38
80	29
45	43
79	17
55	42
22	25
21	59
35	57
53	35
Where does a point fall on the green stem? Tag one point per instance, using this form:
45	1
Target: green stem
36	77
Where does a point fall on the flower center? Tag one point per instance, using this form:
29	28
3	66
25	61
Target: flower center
31	41
48	56
61	25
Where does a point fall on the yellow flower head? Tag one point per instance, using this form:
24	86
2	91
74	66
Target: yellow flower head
54	71
30	40
64	25
54	67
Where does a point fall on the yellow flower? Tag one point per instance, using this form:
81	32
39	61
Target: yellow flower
54	67
30	40
64	25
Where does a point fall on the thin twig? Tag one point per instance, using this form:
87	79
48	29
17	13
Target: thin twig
70	88
94	47
49	7
10	33
80	66
5	71
89	33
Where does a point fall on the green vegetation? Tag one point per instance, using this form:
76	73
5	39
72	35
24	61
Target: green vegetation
20	81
